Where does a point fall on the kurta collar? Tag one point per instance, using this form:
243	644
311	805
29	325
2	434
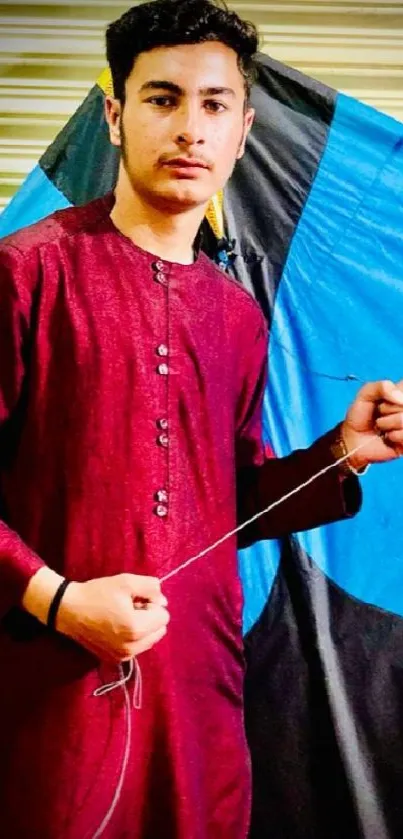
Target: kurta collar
106	204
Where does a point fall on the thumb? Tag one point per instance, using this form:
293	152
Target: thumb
145	588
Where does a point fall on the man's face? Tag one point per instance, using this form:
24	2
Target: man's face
183	124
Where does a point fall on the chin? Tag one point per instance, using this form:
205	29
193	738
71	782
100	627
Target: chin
183	197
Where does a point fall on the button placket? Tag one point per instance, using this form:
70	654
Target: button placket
161	496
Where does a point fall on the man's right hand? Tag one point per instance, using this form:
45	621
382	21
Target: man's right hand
115	618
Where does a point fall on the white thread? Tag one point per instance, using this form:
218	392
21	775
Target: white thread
137	702
263	512
117	683
138	686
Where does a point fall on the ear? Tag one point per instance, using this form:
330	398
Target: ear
247	125
113	116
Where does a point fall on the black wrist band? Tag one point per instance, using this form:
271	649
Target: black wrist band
54	606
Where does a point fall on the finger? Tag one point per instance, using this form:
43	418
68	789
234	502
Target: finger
141	603
395	439
149	642
386	408
384	390
144	588
392	422
150	620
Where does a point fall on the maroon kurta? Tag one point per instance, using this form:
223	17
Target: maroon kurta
130	391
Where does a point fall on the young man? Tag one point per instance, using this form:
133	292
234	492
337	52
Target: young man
131	381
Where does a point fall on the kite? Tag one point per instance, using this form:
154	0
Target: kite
312	224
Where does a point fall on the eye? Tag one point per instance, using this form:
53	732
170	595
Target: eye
162	101
215	107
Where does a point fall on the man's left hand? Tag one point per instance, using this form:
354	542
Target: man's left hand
376	419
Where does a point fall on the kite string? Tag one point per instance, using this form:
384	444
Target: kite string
264	512
133	665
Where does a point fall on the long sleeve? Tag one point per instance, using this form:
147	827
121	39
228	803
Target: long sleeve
17	562
262	478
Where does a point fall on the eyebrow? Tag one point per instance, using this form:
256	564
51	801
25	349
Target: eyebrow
179	91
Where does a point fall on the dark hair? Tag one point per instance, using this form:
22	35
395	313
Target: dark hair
163	23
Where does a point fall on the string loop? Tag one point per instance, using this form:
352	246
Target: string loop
133	666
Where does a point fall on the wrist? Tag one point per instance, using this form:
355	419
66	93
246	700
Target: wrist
40	592
344	449
67	615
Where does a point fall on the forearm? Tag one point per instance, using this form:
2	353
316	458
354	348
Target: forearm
18	565
328	498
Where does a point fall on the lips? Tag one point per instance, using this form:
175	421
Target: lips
186	163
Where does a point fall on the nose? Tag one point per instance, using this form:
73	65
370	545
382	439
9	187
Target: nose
189	129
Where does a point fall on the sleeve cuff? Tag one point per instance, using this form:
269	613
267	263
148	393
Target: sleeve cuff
330	497
351	492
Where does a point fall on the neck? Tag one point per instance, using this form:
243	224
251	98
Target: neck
168	235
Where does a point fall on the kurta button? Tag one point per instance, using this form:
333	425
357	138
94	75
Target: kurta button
163	440
163	369
160	277
161	510
162	350
158	265
162	496
162	423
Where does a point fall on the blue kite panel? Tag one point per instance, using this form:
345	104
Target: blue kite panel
338	323
36	199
